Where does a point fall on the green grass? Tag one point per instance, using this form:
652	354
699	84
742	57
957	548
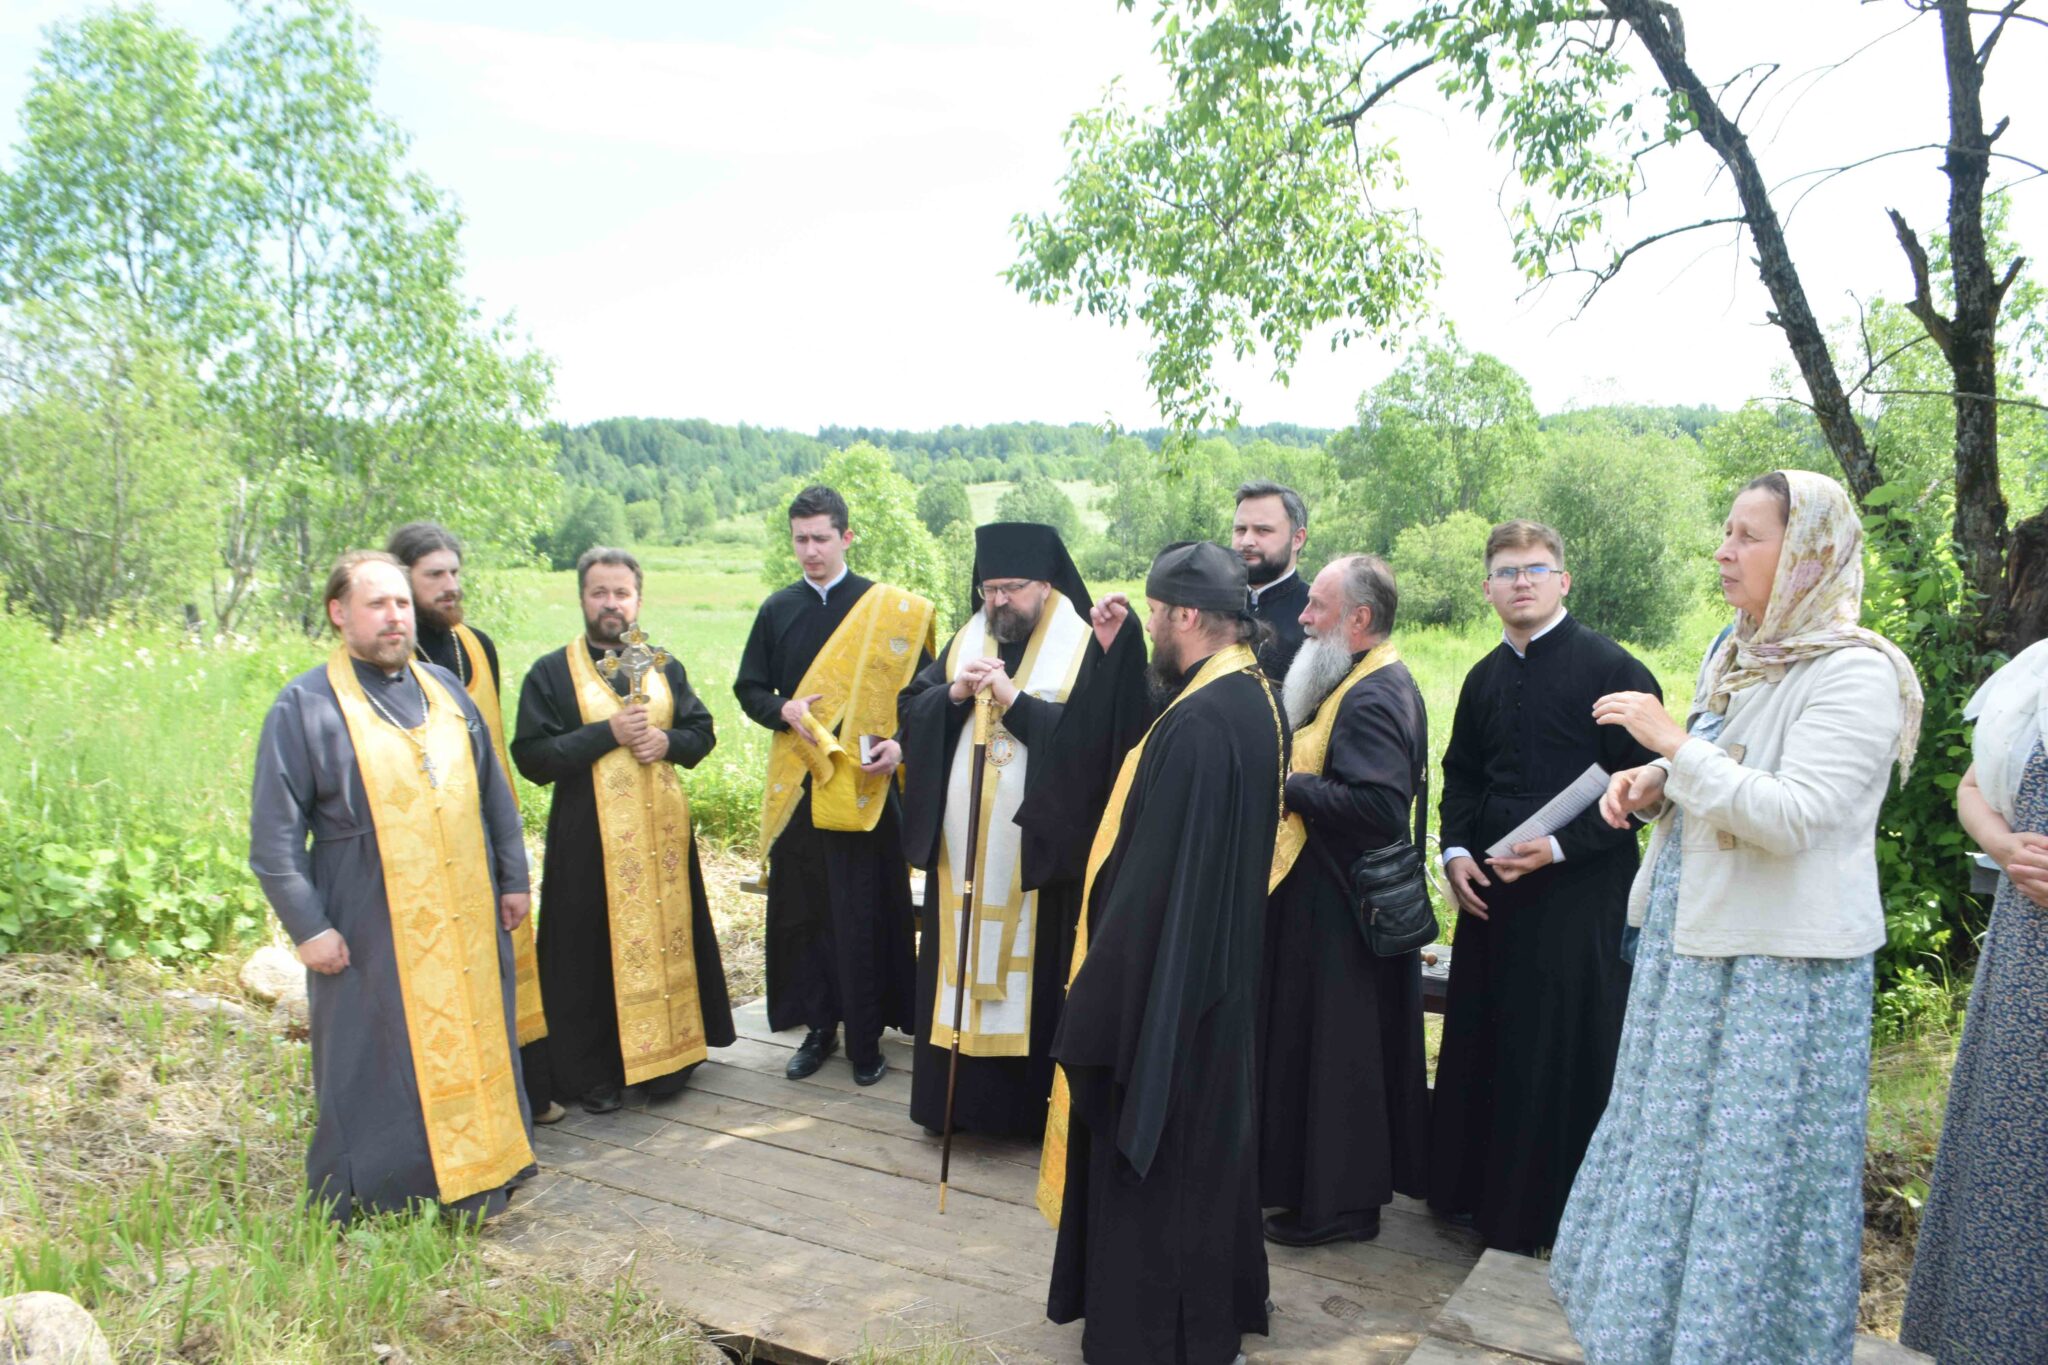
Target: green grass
150	1167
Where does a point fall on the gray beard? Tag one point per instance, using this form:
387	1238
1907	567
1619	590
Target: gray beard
1319	665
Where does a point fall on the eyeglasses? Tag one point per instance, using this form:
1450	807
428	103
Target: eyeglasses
1536	574
1004	591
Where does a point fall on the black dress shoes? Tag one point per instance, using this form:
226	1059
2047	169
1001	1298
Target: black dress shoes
603	1099
872	1072
818	1044
1285	1229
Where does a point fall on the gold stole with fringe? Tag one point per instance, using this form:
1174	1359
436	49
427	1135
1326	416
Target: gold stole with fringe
643	827
1052	1160
856	676
1311	748
483	690
444	932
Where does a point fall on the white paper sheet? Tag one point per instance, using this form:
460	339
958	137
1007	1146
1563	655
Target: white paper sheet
1559	811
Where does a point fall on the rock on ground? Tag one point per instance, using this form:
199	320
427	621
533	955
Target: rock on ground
272	974
50	1329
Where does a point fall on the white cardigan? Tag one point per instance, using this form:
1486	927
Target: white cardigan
1780	851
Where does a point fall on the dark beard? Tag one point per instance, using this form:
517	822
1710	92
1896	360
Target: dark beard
602	631
1167	672
1261	571
436	619
1010	625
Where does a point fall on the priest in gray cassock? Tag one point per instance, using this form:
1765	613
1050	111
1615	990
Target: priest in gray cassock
1063	699
384	834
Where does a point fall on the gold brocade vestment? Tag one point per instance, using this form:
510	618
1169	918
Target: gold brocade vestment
444	931
643	822
483	690
869	658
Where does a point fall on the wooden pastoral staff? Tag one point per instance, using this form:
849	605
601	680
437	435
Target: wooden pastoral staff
984	714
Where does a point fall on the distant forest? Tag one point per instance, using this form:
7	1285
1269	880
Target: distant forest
728	469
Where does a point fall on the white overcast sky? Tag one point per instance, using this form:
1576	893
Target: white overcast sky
795	212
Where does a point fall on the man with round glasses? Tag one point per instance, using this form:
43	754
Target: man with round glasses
1538	984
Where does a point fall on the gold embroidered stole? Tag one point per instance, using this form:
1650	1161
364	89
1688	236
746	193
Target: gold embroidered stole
483	690
1311	748
1052	1160
999	1004
643	828
856	676
444	933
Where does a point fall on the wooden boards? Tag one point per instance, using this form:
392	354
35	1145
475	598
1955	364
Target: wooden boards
1505	1312
800	1221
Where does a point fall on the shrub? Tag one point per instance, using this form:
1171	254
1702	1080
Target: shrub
1439	570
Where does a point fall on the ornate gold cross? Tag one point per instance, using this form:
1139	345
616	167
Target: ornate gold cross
636	660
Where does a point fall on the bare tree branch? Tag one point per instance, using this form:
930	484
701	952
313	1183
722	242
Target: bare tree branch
2005	15
1602	274
1921	305
1350	118
1952	393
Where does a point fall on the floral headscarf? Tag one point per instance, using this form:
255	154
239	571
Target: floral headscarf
1816	602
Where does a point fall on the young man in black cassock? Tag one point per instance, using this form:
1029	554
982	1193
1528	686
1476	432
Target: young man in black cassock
1344	1112
1538	985
839	920
584	937
1268	530
1027	648
1152	1164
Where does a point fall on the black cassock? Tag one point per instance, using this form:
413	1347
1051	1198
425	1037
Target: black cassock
1344	1112
444	647
839	919
1075	748
1280	606
1160	1247
1537	990
553	746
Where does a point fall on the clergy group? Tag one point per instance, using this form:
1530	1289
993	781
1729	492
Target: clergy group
1140	941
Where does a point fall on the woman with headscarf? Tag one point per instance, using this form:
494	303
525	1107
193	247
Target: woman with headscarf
1980	1276
1719	1214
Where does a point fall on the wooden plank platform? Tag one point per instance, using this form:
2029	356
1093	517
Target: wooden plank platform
1505	1314
799	1220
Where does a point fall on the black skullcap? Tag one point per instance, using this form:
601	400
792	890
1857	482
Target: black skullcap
1199	574
1028	550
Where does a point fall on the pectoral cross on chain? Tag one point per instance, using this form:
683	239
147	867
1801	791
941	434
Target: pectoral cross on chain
636	661
427	767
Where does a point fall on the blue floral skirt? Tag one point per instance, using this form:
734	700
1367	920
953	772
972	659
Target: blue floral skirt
1719	1213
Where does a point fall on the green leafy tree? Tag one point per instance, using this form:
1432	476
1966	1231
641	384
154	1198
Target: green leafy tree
890	543
1440	568
1447	432
1263	200
254	207
597	516
1636	530
114	201
942	502
688	515
643	522
1041	500
107	471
